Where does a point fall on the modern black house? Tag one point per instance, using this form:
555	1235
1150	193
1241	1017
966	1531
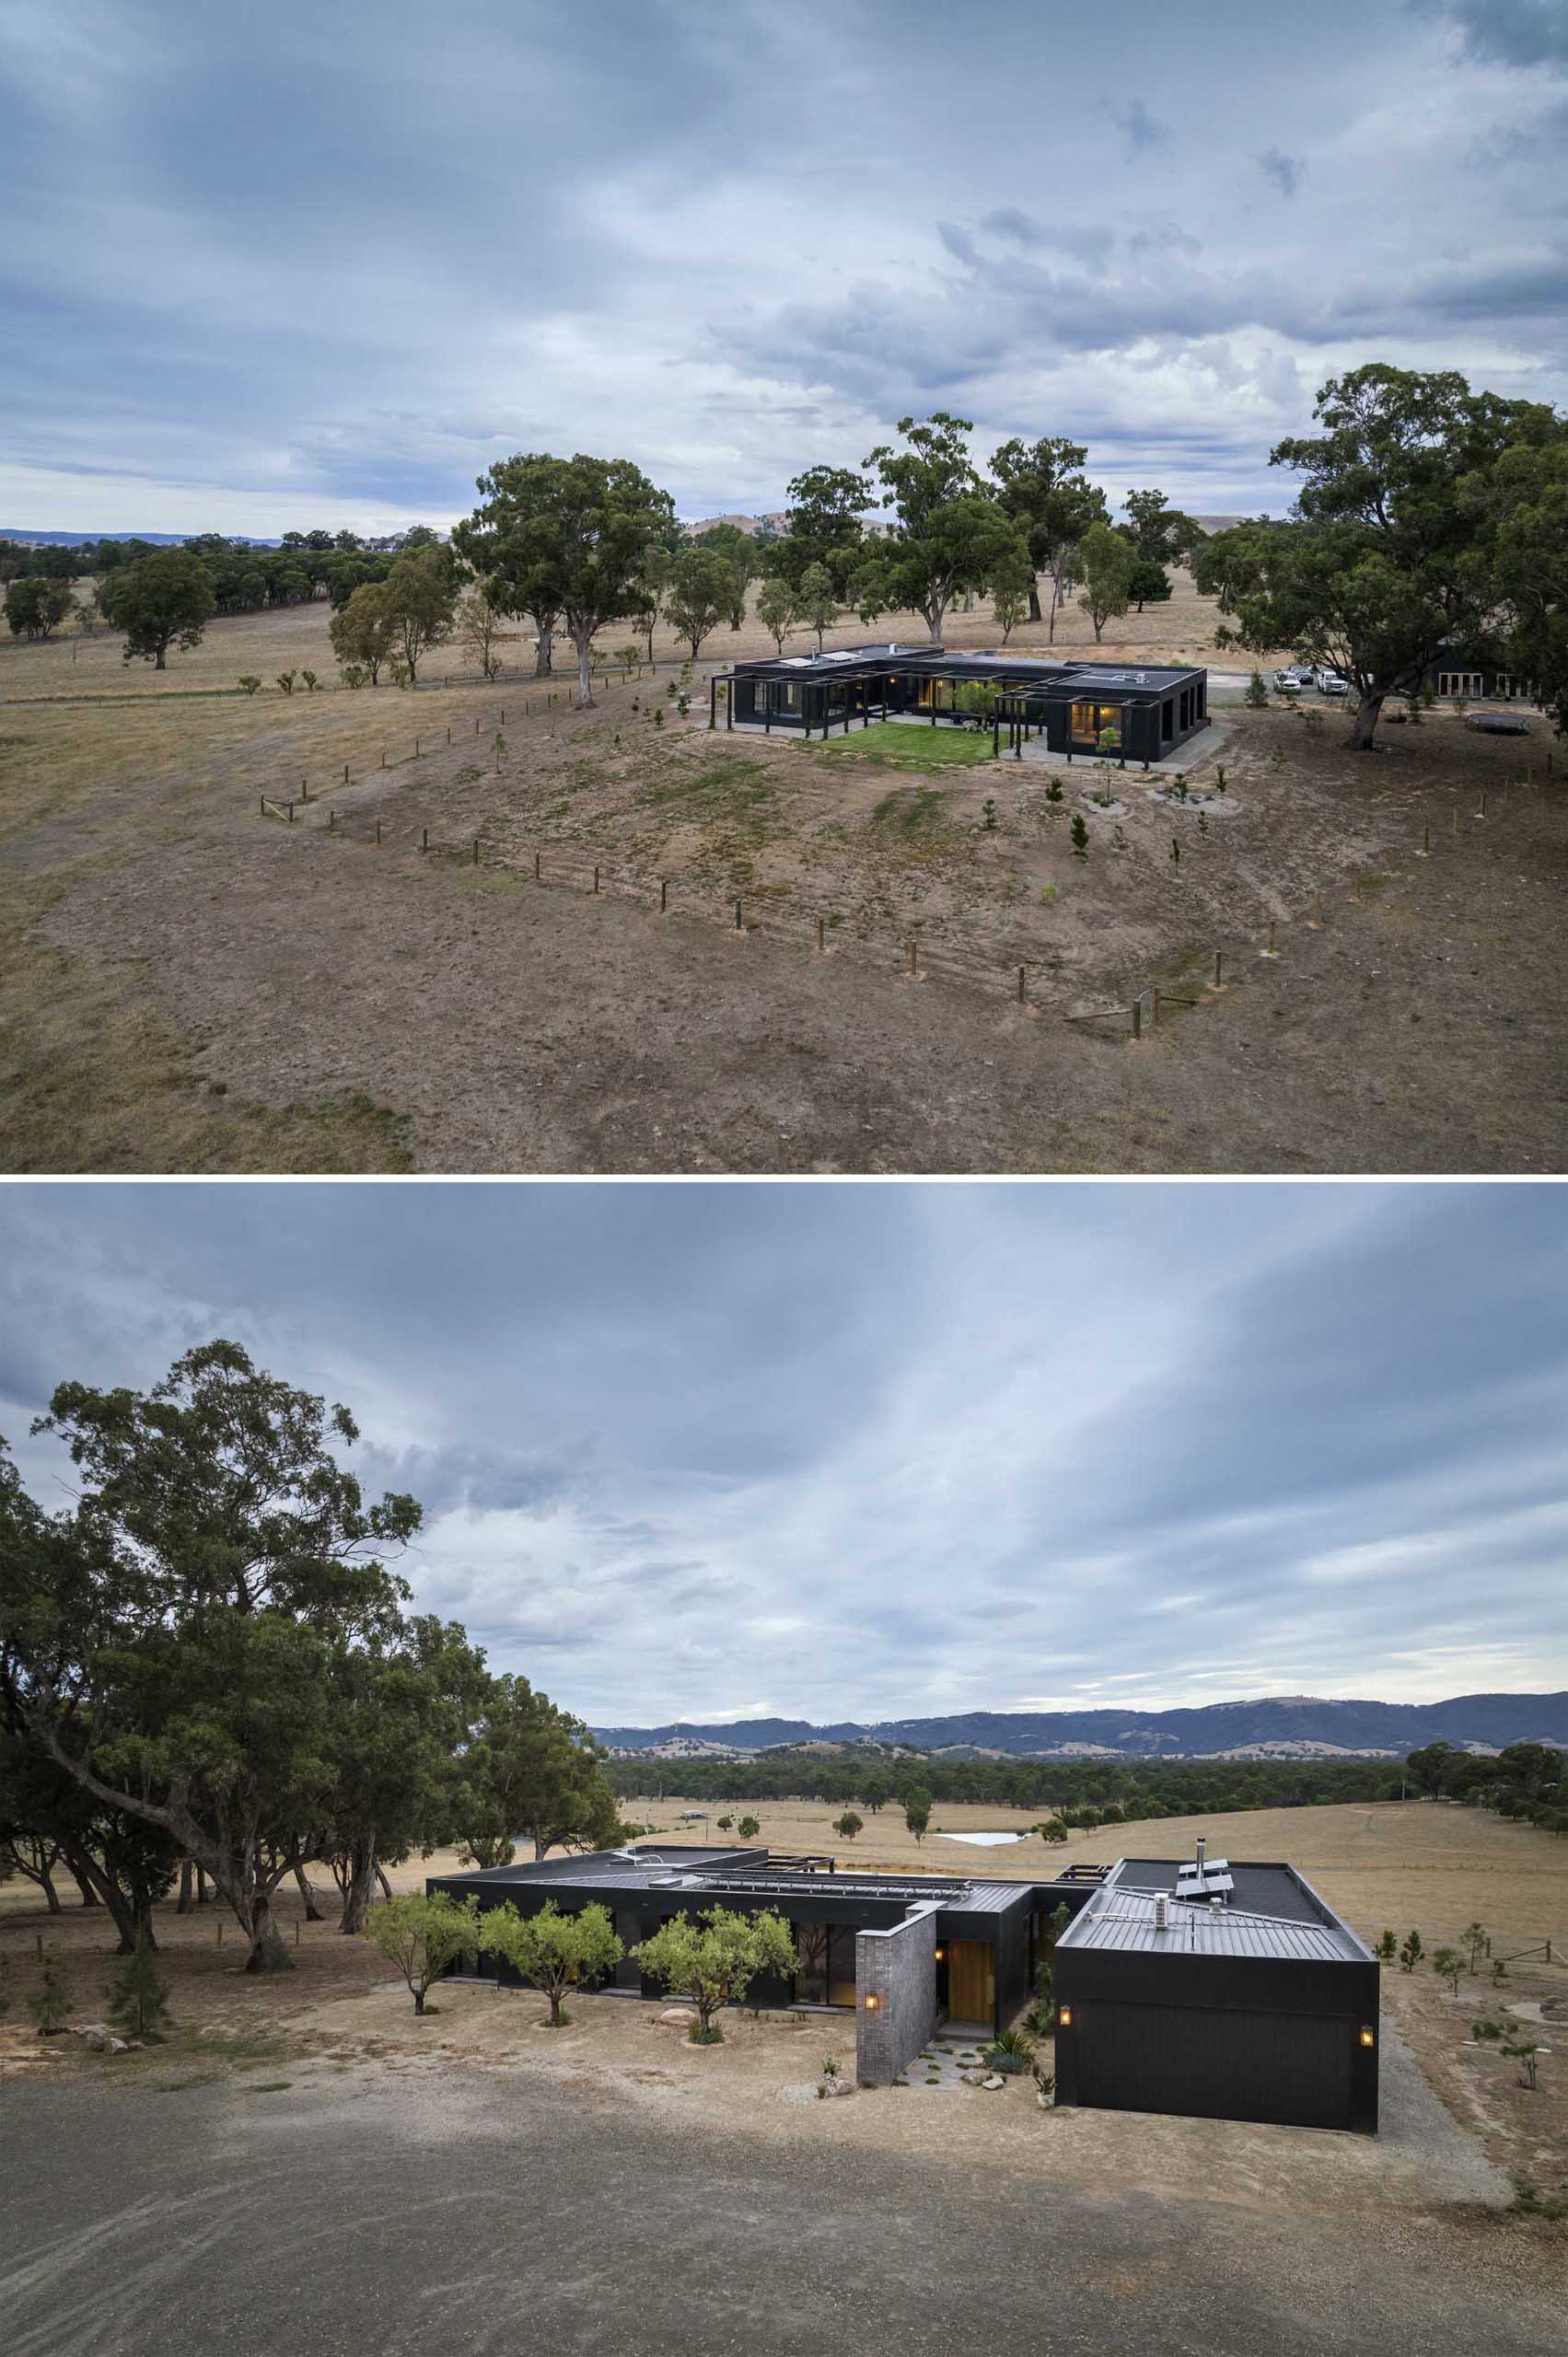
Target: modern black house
1236	1995
1090	709
1477	678
1229	1992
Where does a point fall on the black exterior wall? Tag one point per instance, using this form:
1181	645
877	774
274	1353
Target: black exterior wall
1149	712
1219	2036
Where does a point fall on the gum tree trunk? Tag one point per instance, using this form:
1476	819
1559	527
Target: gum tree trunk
582	640
186	1902
1035	614
543	664
268	1953
357	1887
312	1912
1363	725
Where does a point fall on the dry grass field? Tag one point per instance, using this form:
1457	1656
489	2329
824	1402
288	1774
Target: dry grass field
186	984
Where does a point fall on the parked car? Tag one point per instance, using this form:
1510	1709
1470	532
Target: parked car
1330	683
1289	682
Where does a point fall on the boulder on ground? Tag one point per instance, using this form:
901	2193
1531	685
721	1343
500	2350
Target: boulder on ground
682	2013
993	2082
836	2085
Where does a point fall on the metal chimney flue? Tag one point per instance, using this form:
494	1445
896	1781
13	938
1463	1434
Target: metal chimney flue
1201	1846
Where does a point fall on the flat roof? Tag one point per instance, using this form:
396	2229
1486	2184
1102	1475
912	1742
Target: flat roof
1274	1914
756	1873
1023	670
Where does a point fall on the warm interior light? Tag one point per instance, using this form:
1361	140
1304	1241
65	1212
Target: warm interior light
940	1954
1064	2016
1368	2036
872	2004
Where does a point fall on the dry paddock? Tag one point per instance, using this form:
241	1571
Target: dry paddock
186	984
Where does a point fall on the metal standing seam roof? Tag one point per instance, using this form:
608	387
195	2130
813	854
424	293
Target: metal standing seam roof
1125	1920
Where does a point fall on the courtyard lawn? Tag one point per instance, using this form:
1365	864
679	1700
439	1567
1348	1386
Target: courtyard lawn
907	745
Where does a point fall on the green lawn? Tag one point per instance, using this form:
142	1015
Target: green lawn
906	745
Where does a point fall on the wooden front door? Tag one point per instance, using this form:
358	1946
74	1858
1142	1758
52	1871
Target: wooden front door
971	1981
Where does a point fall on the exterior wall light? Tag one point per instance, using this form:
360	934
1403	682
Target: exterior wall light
1064	2016
1368	2035
940	1954
872	2004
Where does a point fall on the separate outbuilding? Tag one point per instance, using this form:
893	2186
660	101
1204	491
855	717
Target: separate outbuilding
1227	1992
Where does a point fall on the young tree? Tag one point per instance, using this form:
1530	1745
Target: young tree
139	1999
776	609
422	1935
714	1961
573	535
1448	1964
478	627
1476	1944
34	609
951	534
1052	503
848	1825
817	602
1105	562
701	592
748	1828
1387	558
161	601
1411	1952
917	1813
1387	1947
420	597
873	1791
553	1951
366	631
50	2004
170	1644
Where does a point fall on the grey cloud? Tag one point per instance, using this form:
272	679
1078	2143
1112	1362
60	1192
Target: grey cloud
875	1449
1285	170
1142	129
1507	32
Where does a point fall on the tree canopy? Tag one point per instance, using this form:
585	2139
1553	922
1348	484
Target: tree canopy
715	1960
571	537
1052	503
161	601
951	532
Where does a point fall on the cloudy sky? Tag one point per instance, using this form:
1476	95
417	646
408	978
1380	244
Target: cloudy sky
317	265
875	1451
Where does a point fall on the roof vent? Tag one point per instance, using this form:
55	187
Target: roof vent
1161	1912
1202	1845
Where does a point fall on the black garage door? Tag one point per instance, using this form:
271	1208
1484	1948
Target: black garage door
1294	2068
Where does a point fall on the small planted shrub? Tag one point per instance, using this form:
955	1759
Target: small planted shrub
353	675
311	681
50	2002
988	814
139	1999
1175	852
1448	1963
1499	1971
1045	2084
1485	2033
285	682
1010	2054
1387	1947
1257	692
1411	1952
1080	835
1054	791
658	715
250	683
1475	1942
1219	777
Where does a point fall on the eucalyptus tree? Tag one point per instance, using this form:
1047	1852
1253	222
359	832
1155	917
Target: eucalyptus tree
1107	563
1042	487
1387	558
825	524
175	1642
573	535
530	1772
158	601
776	609
951	531
701	594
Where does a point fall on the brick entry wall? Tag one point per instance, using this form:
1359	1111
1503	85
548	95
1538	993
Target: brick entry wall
899	1968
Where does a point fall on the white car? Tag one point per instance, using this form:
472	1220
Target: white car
1290	683
1330	683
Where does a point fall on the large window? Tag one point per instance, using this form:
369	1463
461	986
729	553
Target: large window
824	1972
1090	721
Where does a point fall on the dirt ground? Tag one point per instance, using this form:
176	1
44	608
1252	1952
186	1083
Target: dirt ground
1438	1869
186	985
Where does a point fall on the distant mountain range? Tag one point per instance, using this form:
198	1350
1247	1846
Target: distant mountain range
1278	1726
